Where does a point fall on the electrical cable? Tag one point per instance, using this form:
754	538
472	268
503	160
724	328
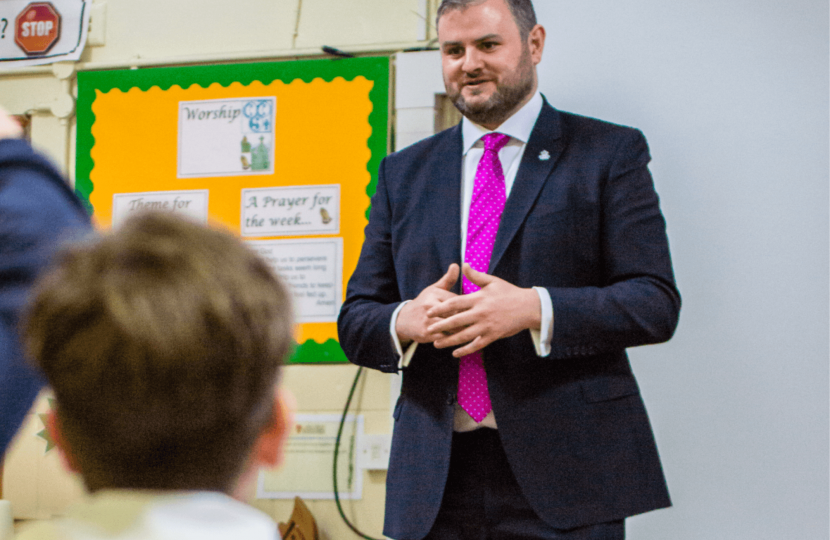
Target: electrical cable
337	449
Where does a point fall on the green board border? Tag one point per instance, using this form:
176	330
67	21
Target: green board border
373	68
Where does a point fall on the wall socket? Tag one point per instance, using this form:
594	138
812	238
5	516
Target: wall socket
374	452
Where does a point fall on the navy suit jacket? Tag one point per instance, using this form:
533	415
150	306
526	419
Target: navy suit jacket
37	211
582	220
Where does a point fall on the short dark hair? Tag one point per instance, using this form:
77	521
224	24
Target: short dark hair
522	11
163	343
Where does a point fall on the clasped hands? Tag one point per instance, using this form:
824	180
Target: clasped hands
469	322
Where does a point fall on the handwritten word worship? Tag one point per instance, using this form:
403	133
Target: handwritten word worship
223	112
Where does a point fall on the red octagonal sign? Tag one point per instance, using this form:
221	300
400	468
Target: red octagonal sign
37	28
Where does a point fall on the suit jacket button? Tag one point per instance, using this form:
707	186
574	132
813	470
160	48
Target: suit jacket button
451	399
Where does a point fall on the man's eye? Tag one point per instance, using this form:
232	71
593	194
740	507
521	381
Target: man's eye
488	45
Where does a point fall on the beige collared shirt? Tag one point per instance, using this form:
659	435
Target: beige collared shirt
148	515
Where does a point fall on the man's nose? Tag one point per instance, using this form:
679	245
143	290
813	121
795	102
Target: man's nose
473	61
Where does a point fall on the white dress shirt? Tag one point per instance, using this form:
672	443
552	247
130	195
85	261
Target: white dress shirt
518	127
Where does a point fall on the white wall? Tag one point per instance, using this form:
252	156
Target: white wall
733	98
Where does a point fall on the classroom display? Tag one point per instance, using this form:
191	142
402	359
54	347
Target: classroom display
285	154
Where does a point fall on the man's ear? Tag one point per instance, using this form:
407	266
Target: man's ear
53	428
269	450
536	43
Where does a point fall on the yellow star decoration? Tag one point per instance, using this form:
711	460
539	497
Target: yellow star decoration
44	434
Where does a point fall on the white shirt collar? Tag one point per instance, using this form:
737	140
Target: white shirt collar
517	126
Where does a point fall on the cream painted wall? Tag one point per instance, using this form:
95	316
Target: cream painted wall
159	29
324	389
158	33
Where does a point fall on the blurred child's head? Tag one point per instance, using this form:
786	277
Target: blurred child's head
163	342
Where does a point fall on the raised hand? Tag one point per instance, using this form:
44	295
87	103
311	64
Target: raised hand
9	128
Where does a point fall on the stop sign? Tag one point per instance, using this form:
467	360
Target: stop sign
37	28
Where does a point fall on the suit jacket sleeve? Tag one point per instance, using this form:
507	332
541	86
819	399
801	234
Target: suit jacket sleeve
37	210
373	294
633	299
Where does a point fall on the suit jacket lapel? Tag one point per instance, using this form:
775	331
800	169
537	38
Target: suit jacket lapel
540	155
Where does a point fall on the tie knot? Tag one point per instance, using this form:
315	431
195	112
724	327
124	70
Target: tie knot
495	141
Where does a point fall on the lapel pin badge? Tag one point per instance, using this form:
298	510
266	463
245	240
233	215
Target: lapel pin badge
544	155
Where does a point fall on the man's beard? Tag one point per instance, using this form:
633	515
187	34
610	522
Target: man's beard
504	100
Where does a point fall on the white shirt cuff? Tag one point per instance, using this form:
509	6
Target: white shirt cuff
543	336
406	356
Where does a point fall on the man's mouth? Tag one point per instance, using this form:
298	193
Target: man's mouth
475	83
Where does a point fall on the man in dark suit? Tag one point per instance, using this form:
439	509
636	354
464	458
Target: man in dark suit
519	416
37	211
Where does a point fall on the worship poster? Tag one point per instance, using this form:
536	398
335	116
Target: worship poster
226	137
284	154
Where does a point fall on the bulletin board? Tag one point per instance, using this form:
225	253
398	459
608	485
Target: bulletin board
285	154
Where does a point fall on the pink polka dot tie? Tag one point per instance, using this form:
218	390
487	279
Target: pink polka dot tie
486	208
